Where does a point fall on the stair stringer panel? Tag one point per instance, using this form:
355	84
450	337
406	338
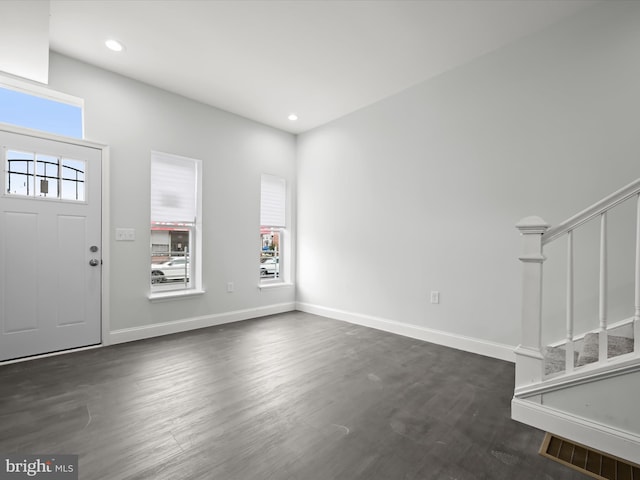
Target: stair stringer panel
611	401
580	430
601	413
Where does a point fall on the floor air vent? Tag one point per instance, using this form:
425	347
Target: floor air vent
588	461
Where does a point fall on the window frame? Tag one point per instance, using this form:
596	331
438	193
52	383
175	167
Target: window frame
194	286
283	277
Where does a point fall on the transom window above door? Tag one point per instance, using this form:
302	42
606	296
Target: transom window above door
40	108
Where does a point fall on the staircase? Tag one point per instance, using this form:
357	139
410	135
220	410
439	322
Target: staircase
582	384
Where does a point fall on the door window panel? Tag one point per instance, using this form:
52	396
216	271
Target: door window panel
72	179
46	176
32	174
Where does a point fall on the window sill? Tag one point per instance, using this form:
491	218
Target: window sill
269	286
174	295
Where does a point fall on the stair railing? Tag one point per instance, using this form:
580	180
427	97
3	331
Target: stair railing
535	235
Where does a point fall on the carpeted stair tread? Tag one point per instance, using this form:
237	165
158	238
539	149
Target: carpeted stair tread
615	346
554	357
554	360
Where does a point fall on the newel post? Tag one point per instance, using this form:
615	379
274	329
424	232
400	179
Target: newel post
529	359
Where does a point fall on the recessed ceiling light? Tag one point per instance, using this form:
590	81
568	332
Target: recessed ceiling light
114	45
293	117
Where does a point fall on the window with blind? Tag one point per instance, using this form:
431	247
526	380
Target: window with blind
273	195
175	219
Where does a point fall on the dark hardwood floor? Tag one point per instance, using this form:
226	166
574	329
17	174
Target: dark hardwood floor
286	397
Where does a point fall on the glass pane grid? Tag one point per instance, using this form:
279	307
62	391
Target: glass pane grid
72	179
44	176
46	181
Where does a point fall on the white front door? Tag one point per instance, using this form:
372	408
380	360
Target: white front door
50	245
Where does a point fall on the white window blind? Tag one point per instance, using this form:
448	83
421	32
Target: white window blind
173	188
273	194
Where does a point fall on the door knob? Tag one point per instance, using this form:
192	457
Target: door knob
94	262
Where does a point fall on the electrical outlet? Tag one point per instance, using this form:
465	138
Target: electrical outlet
229	287
435	297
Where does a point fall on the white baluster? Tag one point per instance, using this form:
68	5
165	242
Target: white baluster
602	337
569	344
529	359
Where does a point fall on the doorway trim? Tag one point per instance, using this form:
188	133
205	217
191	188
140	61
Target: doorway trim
105	234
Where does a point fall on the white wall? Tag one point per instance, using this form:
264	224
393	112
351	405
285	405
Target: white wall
421	191
133	119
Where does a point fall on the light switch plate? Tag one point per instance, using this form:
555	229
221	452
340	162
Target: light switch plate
125	234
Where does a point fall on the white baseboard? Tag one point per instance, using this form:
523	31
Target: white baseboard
577	429
183	325
459	342
48	355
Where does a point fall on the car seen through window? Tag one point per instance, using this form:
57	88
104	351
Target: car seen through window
174	269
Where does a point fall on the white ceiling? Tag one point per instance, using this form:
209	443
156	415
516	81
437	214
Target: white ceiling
320	59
